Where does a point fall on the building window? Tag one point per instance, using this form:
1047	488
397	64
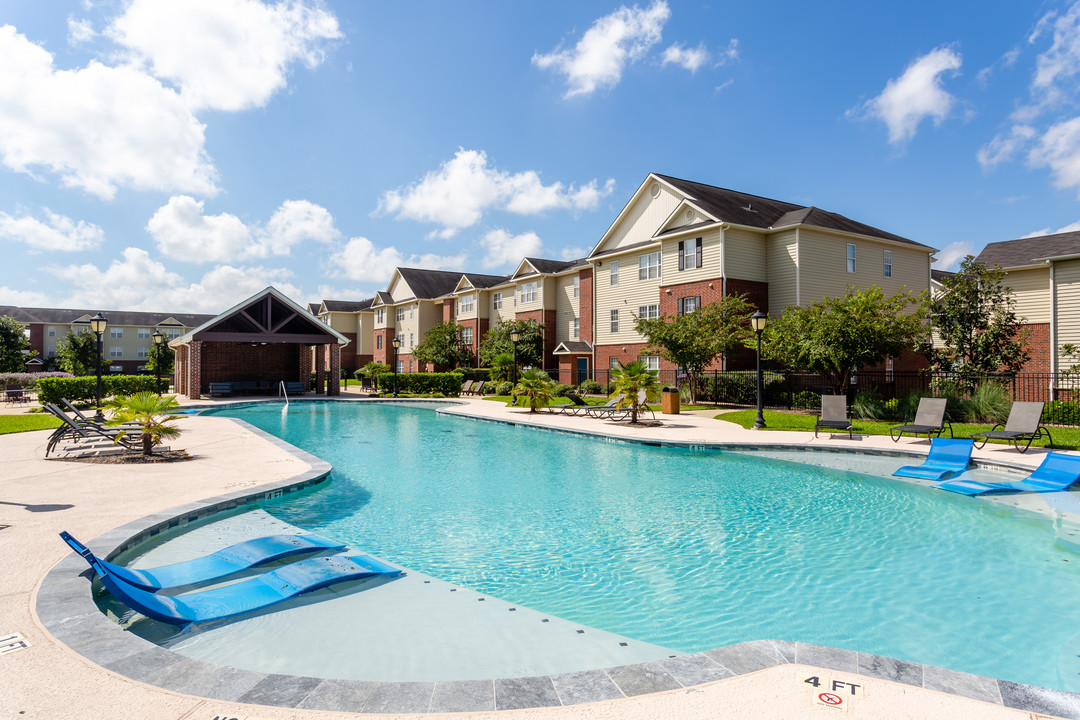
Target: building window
410	365
412	311
613	362
466	336
652	362
575	328
577	285
648	266
52	352
401	366
400	314
116	332
142	353
116	351
172	334
52	331
614	272
614	321
143	333
851	257
378	342
688	305
379	316
410	340
648	312
888	263
689	254
496	301
528	292
465	304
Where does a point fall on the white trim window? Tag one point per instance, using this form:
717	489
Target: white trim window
577	286
688	305
613	362
401	366
851	257
412	311
575	328
615	321
142	353
528	292
496	301
648	312
52	331
144	333
400	314
613	271
887	260
689	254
465	304
52	352
466	335
116	332
378	342
379	316
116	351
410	340
652	362
649	266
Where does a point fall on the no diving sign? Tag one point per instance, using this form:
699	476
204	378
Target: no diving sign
832	693
830	700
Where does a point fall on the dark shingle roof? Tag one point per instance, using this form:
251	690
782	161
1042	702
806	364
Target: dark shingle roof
551	266
485	281
430	284
63	316
347	305
313	308
940	275
761	212
1025	251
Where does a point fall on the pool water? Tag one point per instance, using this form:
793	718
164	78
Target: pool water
691	550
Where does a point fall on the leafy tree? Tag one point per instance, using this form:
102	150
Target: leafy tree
530	347
163	356
694	340
151	417
630	380
535	386
78	352
502	367
442	347
836	336
975	319
13	342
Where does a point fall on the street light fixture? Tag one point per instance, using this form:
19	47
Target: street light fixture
396	342
98	323
515	335
758	321
158	338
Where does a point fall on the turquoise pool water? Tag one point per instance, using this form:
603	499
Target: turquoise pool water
692	550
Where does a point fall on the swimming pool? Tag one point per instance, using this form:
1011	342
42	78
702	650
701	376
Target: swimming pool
691	550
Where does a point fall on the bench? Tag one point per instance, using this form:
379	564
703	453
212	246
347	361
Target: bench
220	389
294	386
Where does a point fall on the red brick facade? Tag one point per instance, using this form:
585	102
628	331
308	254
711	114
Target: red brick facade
448	310
568	374
1040	348
384	354
479	328
625	353
585	302
547	317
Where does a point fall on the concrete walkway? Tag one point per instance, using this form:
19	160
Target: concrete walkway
49	681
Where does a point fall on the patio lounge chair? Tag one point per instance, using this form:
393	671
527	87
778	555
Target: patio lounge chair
227	561
84	431
946	456
576	406
833	415
478	388
81	418
245	596
608	409
929	420
1022	424
467	387
1057	472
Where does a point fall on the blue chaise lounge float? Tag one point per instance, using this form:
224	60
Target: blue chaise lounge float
946	456
1057	472
215	566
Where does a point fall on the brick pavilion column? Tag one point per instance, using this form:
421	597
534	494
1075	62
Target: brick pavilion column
307	353
320	370
195	371
334	388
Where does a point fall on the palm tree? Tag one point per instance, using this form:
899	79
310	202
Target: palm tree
146	413
631	380
536	386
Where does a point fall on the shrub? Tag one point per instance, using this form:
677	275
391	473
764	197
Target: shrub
422	383
589	387
989	403
27	381
1061	412
504	388
868	405
51	389
807	399
561	390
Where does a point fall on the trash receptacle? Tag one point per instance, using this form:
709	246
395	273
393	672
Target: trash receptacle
669	401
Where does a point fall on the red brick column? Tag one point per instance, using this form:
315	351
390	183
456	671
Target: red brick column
195	358
320	371
334	388
585	306
179	370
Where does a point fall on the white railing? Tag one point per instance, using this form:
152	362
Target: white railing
283	392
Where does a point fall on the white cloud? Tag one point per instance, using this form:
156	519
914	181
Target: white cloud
691	59
1005	147
137	282
79	31
605	49
916	95
501	248
1061	61
23	298
949	257
1071	227
182	231
573	253
54	233
1059	150
224	54
360	260
458	194
142	137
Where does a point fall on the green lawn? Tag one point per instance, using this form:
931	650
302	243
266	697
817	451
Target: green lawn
1065	438
23	423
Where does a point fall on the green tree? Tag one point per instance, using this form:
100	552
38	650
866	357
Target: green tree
530	347
13	343
836	336
78	353
502	367
632	380
442	347
150	416
160	355
694	340
975	319
535	386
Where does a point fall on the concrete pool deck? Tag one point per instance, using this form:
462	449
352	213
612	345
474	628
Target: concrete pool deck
49	679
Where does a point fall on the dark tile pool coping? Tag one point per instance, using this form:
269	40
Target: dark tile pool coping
66	609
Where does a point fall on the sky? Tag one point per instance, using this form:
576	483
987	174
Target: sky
181	156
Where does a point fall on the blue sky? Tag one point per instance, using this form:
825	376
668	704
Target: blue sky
159	155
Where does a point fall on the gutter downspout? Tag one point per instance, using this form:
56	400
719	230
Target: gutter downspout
798	269
1053	330
723	279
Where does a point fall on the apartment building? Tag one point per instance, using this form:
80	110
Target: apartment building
353	320
127	339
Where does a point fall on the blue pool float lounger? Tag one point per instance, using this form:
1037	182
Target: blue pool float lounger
1057	472
215	566
946	456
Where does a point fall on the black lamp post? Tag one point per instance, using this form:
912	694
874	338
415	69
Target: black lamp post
98	323
158	338
514	337
396	342
758	321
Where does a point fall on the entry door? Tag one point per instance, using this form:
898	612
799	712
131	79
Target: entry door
582	370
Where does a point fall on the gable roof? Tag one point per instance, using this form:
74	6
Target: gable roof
345	305
1030	251
266	316
549	267
429	284
65	316
740	208
484	281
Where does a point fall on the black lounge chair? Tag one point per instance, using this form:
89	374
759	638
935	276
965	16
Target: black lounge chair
929	420
86	431
576	406
833	415
1022	425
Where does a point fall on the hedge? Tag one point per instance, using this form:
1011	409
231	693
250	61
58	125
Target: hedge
77	389
422	383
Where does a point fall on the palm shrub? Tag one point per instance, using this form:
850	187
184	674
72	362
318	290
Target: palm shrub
502	366
151	415
630	380
504	387
536	387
